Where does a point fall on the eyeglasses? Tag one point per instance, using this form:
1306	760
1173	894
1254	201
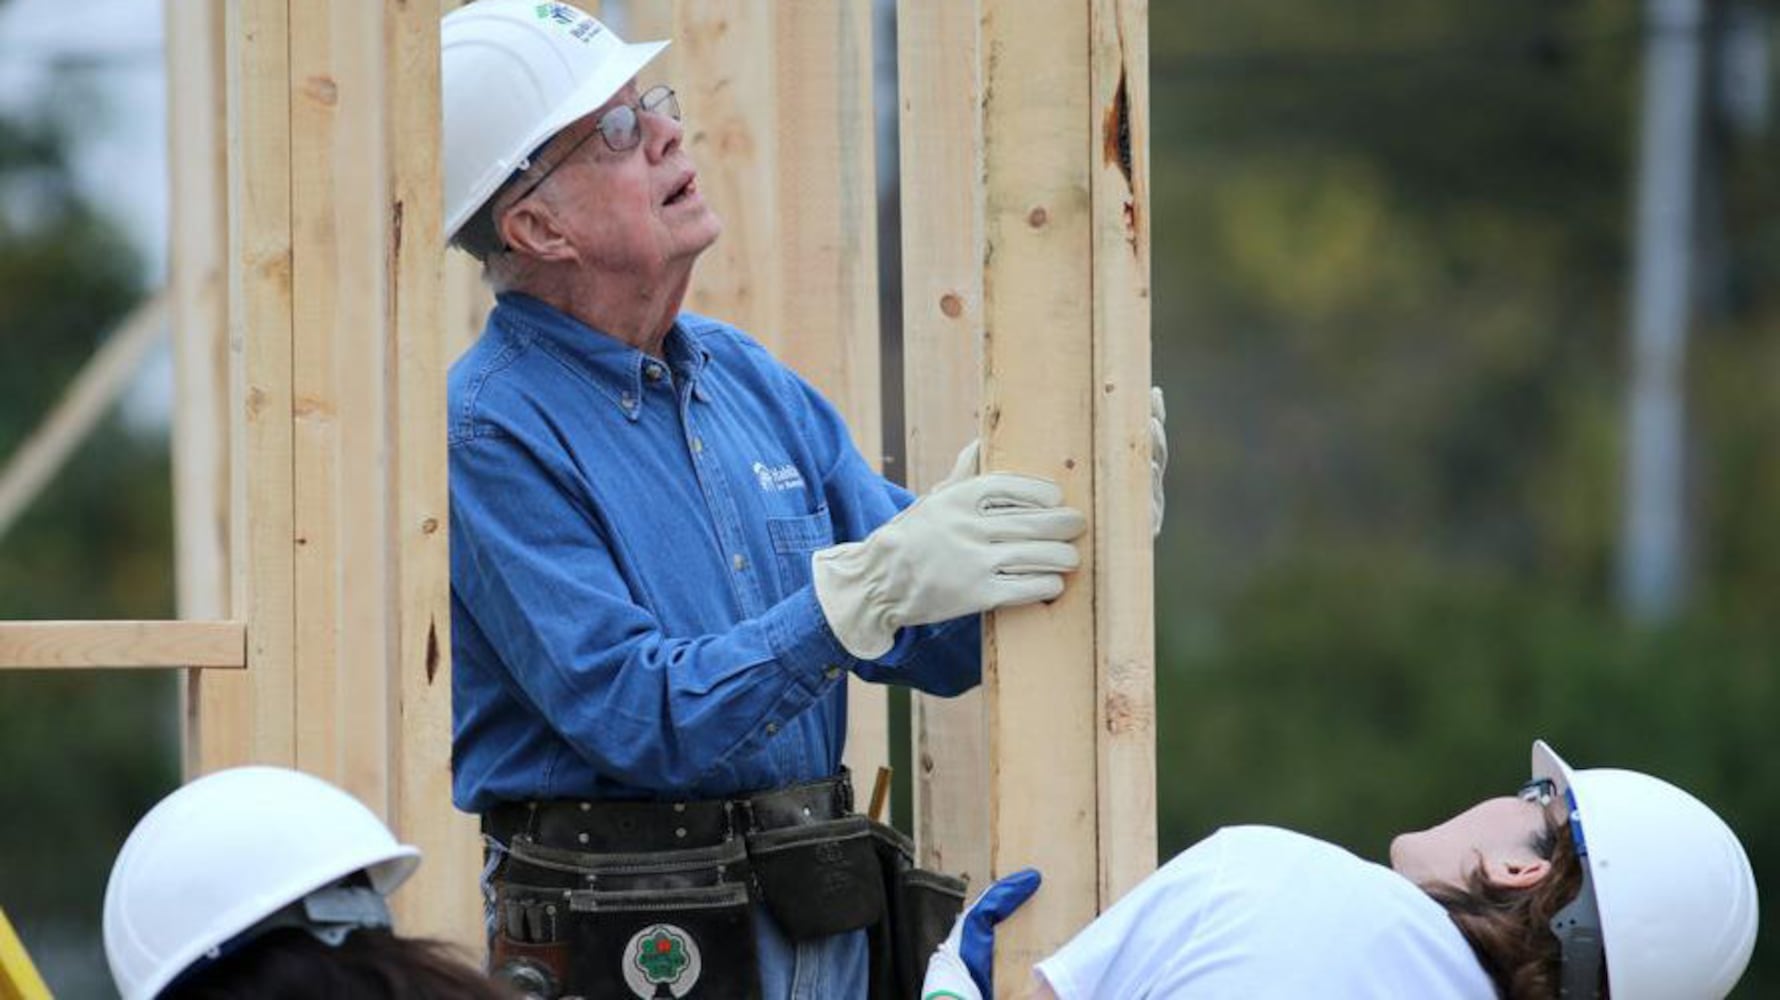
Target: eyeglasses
621	127
1539	791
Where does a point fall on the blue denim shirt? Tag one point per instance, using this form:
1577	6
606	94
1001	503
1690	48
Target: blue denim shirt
631	613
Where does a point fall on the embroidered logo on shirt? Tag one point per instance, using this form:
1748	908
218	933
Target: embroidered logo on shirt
661	960
776	478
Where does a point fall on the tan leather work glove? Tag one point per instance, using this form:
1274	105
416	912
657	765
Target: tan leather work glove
973	543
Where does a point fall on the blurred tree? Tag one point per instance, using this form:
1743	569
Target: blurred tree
82	753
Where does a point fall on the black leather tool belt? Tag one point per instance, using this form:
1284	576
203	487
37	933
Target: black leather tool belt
653	899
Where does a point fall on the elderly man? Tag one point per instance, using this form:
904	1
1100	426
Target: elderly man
667	557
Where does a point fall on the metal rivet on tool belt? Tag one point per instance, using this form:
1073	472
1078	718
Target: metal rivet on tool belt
680	832
582	837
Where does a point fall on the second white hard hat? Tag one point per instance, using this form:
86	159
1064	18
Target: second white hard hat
217	856
1672	884
515	72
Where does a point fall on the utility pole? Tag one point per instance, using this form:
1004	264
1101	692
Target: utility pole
1654	542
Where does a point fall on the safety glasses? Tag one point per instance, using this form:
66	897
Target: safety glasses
621	127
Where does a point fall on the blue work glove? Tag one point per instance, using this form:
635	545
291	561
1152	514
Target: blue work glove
964	966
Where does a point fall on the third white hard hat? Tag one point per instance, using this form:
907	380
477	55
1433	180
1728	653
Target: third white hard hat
515	72
217	856
1673	885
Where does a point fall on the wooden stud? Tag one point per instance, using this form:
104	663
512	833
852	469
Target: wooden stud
942	294
1124	562
260	310
214	706
217	645
443	898
1038	411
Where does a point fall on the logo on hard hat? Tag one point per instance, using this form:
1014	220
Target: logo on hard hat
580	26
661	960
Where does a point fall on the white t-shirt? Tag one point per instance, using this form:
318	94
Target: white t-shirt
1257	911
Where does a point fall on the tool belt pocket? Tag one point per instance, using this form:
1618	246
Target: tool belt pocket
928	903
922	906
821	878
616	925
529	949
664	943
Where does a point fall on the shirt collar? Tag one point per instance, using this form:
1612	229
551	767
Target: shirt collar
615	368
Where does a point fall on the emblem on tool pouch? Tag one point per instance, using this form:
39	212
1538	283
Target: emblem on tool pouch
661	961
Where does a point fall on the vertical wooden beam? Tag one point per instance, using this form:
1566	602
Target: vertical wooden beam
260	242
1124	615
1038	409
339	196
942	285
214	706
443	899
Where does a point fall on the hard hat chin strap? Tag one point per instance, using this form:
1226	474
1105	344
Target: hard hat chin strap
1578	925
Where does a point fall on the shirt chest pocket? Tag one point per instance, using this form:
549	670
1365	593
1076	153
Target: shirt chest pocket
794	539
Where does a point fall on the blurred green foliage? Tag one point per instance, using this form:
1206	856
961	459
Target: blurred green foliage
1392	257
82	753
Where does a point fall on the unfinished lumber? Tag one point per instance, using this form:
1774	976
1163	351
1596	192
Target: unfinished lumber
941	134
218	645
260	326
213	707
1124	570
443	899
1038	413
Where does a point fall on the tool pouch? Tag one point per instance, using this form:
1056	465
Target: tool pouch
821	878
664	943
921	907
648	924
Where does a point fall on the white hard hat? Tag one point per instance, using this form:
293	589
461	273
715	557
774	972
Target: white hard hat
1674	891
515	72
223	853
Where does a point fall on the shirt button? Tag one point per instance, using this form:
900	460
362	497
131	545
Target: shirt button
698	445
832	672
652	372
628	401
739	561
771	728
